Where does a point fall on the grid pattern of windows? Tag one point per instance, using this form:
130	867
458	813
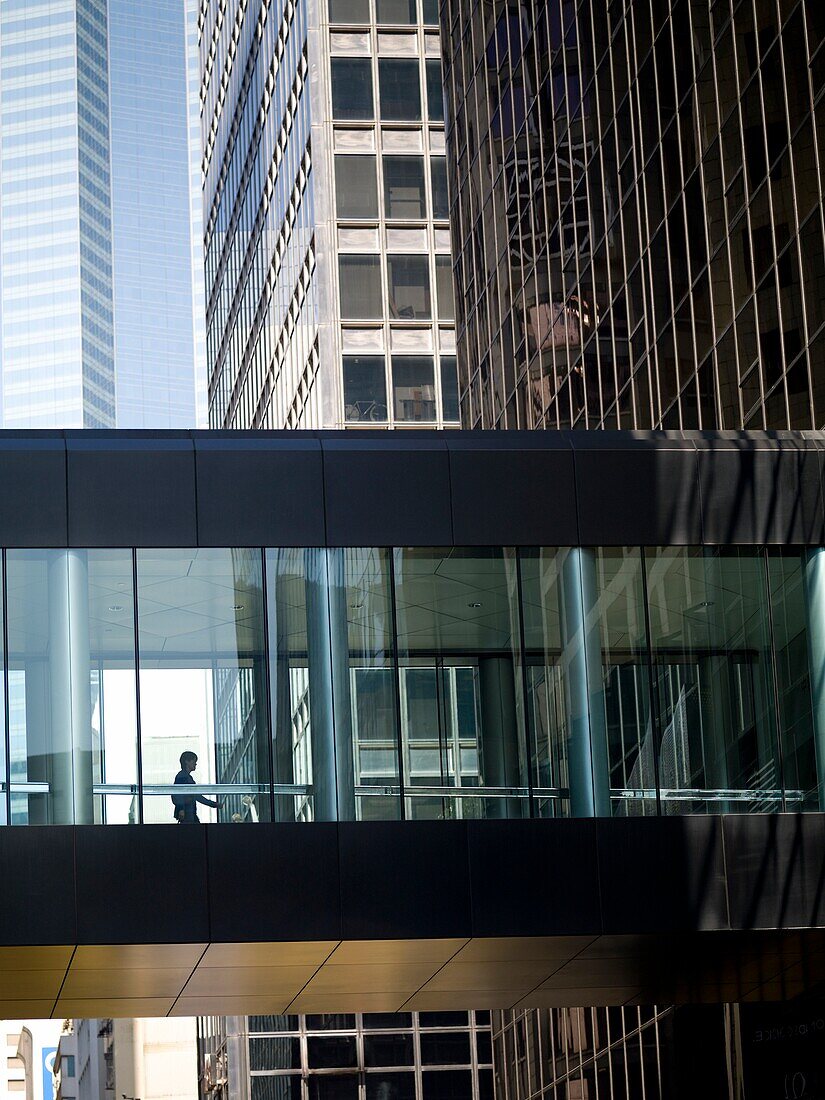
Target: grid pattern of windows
397	314
261	324
374	1056
637	189
57	325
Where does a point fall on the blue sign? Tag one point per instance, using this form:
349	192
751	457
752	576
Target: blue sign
47	1061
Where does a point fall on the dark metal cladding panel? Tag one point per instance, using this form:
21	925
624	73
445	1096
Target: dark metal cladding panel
636	491
404	879
274	882
39	896
759	490
534	878
32	489
131	489
662	875
513	488
258	490
141	884
387	492
776	870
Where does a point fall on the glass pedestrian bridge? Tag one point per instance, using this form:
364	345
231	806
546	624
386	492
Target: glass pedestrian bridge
318	684
364	682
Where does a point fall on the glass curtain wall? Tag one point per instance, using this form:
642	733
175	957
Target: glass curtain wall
242	685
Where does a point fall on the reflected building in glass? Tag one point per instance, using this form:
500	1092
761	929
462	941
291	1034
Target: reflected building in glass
637	192
99	289
328	272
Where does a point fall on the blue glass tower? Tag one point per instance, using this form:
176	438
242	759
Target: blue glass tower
98	251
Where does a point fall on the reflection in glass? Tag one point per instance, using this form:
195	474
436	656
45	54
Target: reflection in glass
366	707
351	87
203	679
438	170
356	189
71	687
449	387
435	90
395	11
399	89
365	388
360	282
409	287
797	610
461	709
711	656
413	387
404	187
349	11
444	288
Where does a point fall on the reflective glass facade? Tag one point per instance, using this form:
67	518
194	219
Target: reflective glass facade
99	300
628	1053
637	192
157	246
369	1056
55	220
378	683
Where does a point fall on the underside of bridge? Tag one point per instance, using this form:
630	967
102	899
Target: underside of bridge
384	916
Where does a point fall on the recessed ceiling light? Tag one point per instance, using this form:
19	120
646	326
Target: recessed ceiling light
237	607
115	607
475	604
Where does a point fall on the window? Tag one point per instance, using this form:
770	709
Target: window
429	12
444	288
270	1087
331	1052
435	91
397	1086
365	388
395	11
409	288
404	187
438	176
356	191
413	388
360	279
445	1048
447	1084
349	11
67	1066
352	87
389	1050
449	388
400	89
274	1052
15	1063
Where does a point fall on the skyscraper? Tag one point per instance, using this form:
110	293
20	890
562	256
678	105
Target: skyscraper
329	297
637	191
99	326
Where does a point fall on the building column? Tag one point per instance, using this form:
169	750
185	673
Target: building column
330	702
499	740
587	764
815	609
68	740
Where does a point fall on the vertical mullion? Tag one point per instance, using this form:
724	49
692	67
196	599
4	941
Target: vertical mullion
270	724
137	686
524	687
780	760
399	736
655	723
6	717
